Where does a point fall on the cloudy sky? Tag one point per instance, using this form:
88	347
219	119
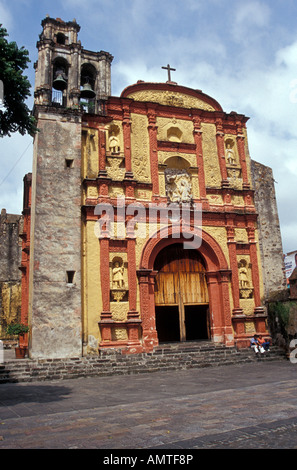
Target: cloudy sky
241	52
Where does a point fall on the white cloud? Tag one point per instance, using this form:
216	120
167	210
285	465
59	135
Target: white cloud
249	17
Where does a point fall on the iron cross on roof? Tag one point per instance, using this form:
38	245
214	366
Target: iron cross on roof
168	68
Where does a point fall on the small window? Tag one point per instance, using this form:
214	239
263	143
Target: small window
70	277
69	162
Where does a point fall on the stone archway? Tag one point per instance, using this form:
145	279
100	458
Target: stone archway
217	274
181	295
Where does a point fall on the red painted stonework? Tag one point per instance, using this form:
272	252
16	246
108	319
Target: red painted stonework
25	236
227	317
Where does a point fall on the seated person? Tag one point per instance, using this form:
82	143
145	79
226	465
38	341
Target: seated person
264	343
256	346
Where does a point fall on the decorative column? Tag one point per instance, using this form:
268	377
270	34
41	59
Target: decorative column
146	279
199	157
106	315
153	140
133	320
102	152
226	309
215	307
260	315
238	317
242	157
221	152
127	140
234	267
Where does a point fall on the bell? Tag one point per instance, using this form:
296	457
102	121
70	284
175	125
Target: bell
87	91
59	83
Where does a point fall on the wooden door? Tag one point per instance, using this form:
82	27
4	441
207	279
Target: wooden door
180	281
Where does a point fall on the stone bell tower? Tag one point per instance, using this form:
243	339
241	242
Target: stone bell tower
70	81
66	73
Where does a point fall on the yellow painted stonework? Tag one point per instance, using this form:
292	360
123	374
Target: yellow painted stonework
140	148
210	156
169	130
90	164
220	235
92	299
171	99
175	130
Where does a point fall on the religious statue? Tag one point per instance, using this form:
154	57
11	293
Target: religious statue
114	144
178	186
243	278
118	276
230	154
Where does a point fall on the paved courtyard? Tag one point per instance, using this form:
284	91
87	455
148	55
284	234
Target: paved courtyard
251	406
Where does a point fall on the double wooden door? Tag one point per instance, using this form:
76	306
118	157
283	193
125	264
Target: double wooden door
181	295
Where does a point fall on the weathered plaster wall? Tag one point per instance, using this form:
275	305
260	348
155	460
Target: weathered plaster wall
54	303
270	242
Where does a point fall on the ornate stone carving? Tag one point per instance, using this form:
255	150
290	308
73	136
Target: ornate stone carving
246	293
178	185
140	148
171	99
118	295
234	177
116	167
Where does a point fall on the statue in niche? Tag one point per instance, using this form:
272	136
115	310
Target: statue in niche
245	289
230	157
243	277
178	186
114	143
118	276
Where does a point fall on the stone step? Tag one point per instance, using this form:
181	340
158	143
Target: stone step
112	362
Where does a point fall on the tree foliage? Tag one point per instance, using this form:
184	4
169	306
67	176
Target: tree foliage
15	115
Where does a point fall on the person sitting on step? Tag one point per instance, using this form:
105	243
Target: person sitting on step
264	343
256	346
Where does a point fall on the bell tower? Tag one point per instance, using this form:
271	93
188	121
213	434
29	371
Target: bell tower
67	75
70	81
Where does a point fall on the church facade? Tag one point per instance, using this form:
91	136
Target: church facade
141	222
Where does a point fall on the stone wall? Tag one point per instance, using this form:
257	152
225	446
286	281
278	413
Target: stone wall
10	275
269	229
10	246
55	251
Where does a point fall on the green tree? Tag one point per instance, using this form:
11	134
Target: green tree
15	115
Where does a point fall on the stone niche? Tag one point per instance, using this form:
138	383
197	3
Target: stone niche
245	286
119	283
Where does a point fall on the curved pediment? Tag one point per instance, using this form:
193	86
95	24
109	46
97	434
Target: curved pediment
171	95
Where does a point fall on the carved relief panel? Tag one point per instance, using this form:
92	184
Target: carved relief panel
178	185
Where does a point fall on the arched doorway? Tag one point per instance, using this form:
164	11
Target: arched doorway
181	295
217	277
